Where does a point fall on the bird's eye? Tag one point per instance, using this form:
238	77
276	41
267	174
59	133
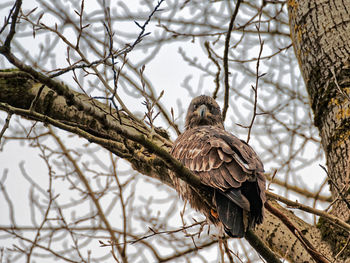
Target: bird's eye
195	106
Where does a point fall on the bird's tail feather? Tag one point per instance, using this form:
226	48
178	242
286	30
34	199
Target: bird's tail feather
230	214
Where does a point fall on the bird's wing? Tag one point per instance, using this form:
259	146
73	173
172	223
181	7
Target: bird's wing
220	159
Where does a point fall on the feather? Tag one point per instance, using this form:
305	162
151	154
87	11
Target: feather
206	149
194	152
180	151
215	142
223	156
224	173
236	172
198	163
205	163
214	160
230	215
189	164
218	181
235	195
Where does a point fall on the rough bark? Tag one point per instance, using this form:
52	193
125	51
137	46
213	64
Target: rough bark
320	31
132	141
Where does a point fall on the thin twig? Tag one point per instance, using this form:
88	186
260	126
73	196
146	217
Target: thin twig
86	183
333	219
299	190
7	20
13	25
228	251
116	54
123	205
344	94
154	233
51	200
339	191
342	250
217	76
227	46
257	77
6	125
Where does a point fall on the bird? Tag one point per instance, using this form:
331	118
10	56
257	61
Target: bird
227	166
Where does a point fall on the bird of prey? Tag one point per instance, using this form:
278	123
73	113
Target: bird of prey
227	165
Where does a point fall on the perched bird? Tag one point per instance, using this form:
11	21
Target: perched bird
224	163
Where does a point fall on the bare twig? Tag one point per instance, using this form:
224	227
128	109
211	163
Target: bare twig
226	70
7	19
155	233
6	125
45	248
187	251
12	32
228	251
149	104
299	190
123	205
342	250
51	200
255	89
333	219
217	76
344	94
86	184
116	54
339	191
7	198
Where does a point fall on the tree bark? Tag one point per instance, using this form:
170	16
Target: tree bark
320	31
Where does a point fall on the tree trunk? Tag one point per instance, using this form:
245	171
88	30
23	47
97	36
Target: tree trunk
320	31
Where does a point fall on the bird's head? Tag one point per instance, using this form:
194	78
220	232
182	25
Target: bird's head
203	110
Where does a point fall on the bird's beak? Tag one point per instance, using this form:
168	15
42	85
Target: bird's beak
202	110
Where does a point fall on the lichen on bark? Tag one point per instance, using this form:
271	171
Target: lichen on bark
16	87
336	237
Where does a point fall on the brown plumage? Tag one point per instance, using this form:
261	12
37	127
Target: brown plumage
223	162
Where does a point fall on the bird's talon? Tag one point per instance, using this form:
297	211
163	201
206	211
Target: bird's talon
214	213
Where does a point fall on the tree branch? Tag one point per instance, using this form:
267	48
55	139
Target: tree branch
317	256
333	219
261	248
12	32
227	46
